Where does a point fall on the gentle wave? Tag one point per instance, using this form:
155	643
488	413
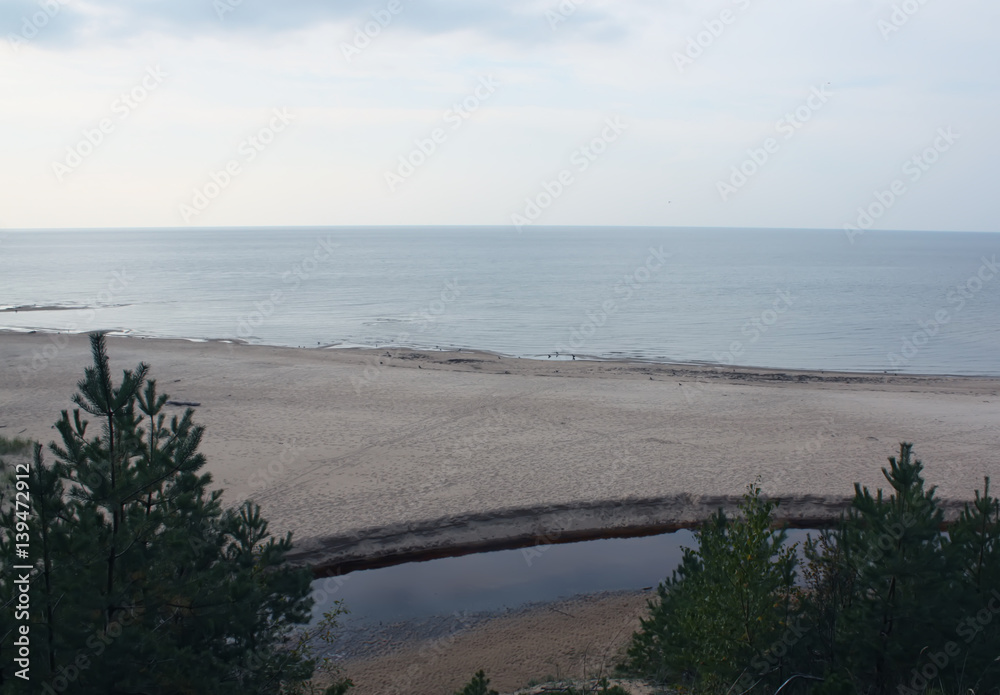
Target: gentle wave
670	295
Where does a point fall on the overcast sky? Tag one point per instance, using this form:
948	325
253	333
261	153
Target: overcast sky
745	113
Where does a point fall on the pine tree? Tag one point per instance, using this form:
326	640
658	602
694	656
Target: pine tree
892	602
479	685
902	578
975	543
141	570
722	611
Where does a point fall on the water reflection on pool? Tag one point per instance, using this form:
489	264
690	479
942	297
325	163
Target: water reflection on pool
506	579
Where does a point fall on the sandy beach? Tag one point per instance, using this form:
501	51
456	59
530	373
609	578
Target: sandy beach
373	456
365	454
577	639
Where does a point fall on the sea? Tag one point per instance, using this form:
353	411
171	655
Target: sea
878	301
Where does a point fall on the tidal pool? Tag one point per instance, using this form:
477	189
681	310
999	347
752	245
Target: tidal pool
506	579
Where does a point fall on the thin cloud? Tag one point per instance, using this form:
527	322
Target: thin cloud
78	24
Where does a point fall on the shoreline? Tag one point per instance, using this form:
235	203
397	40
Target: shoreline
369	456
572	638
693	366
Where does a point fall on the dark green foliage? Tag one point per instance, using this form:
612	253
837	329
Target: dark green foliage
339	688
893	595
479	685
975	540
902	577
320	636
143	582
602	684
308	643
890	604
14	446
659	649
724	607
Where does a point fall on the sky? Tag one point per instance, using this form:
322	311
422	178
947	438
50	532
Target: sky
720	113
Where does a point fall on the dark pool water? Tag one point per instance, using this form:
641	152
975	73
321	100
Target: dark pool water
506	579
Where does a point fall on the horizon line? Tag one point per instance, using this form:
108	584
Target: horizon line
18	230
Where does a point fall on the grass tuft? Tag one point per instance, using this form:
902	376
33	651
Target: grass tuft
14	446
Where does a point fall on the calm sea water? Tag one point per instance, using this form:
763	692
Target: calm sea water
912	302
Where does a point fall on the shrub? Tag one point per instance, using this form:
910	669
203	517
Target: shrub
479	685
14	446
725	606
891	604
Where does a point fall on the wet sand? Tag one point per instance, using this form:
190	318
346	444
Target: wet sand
577	639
